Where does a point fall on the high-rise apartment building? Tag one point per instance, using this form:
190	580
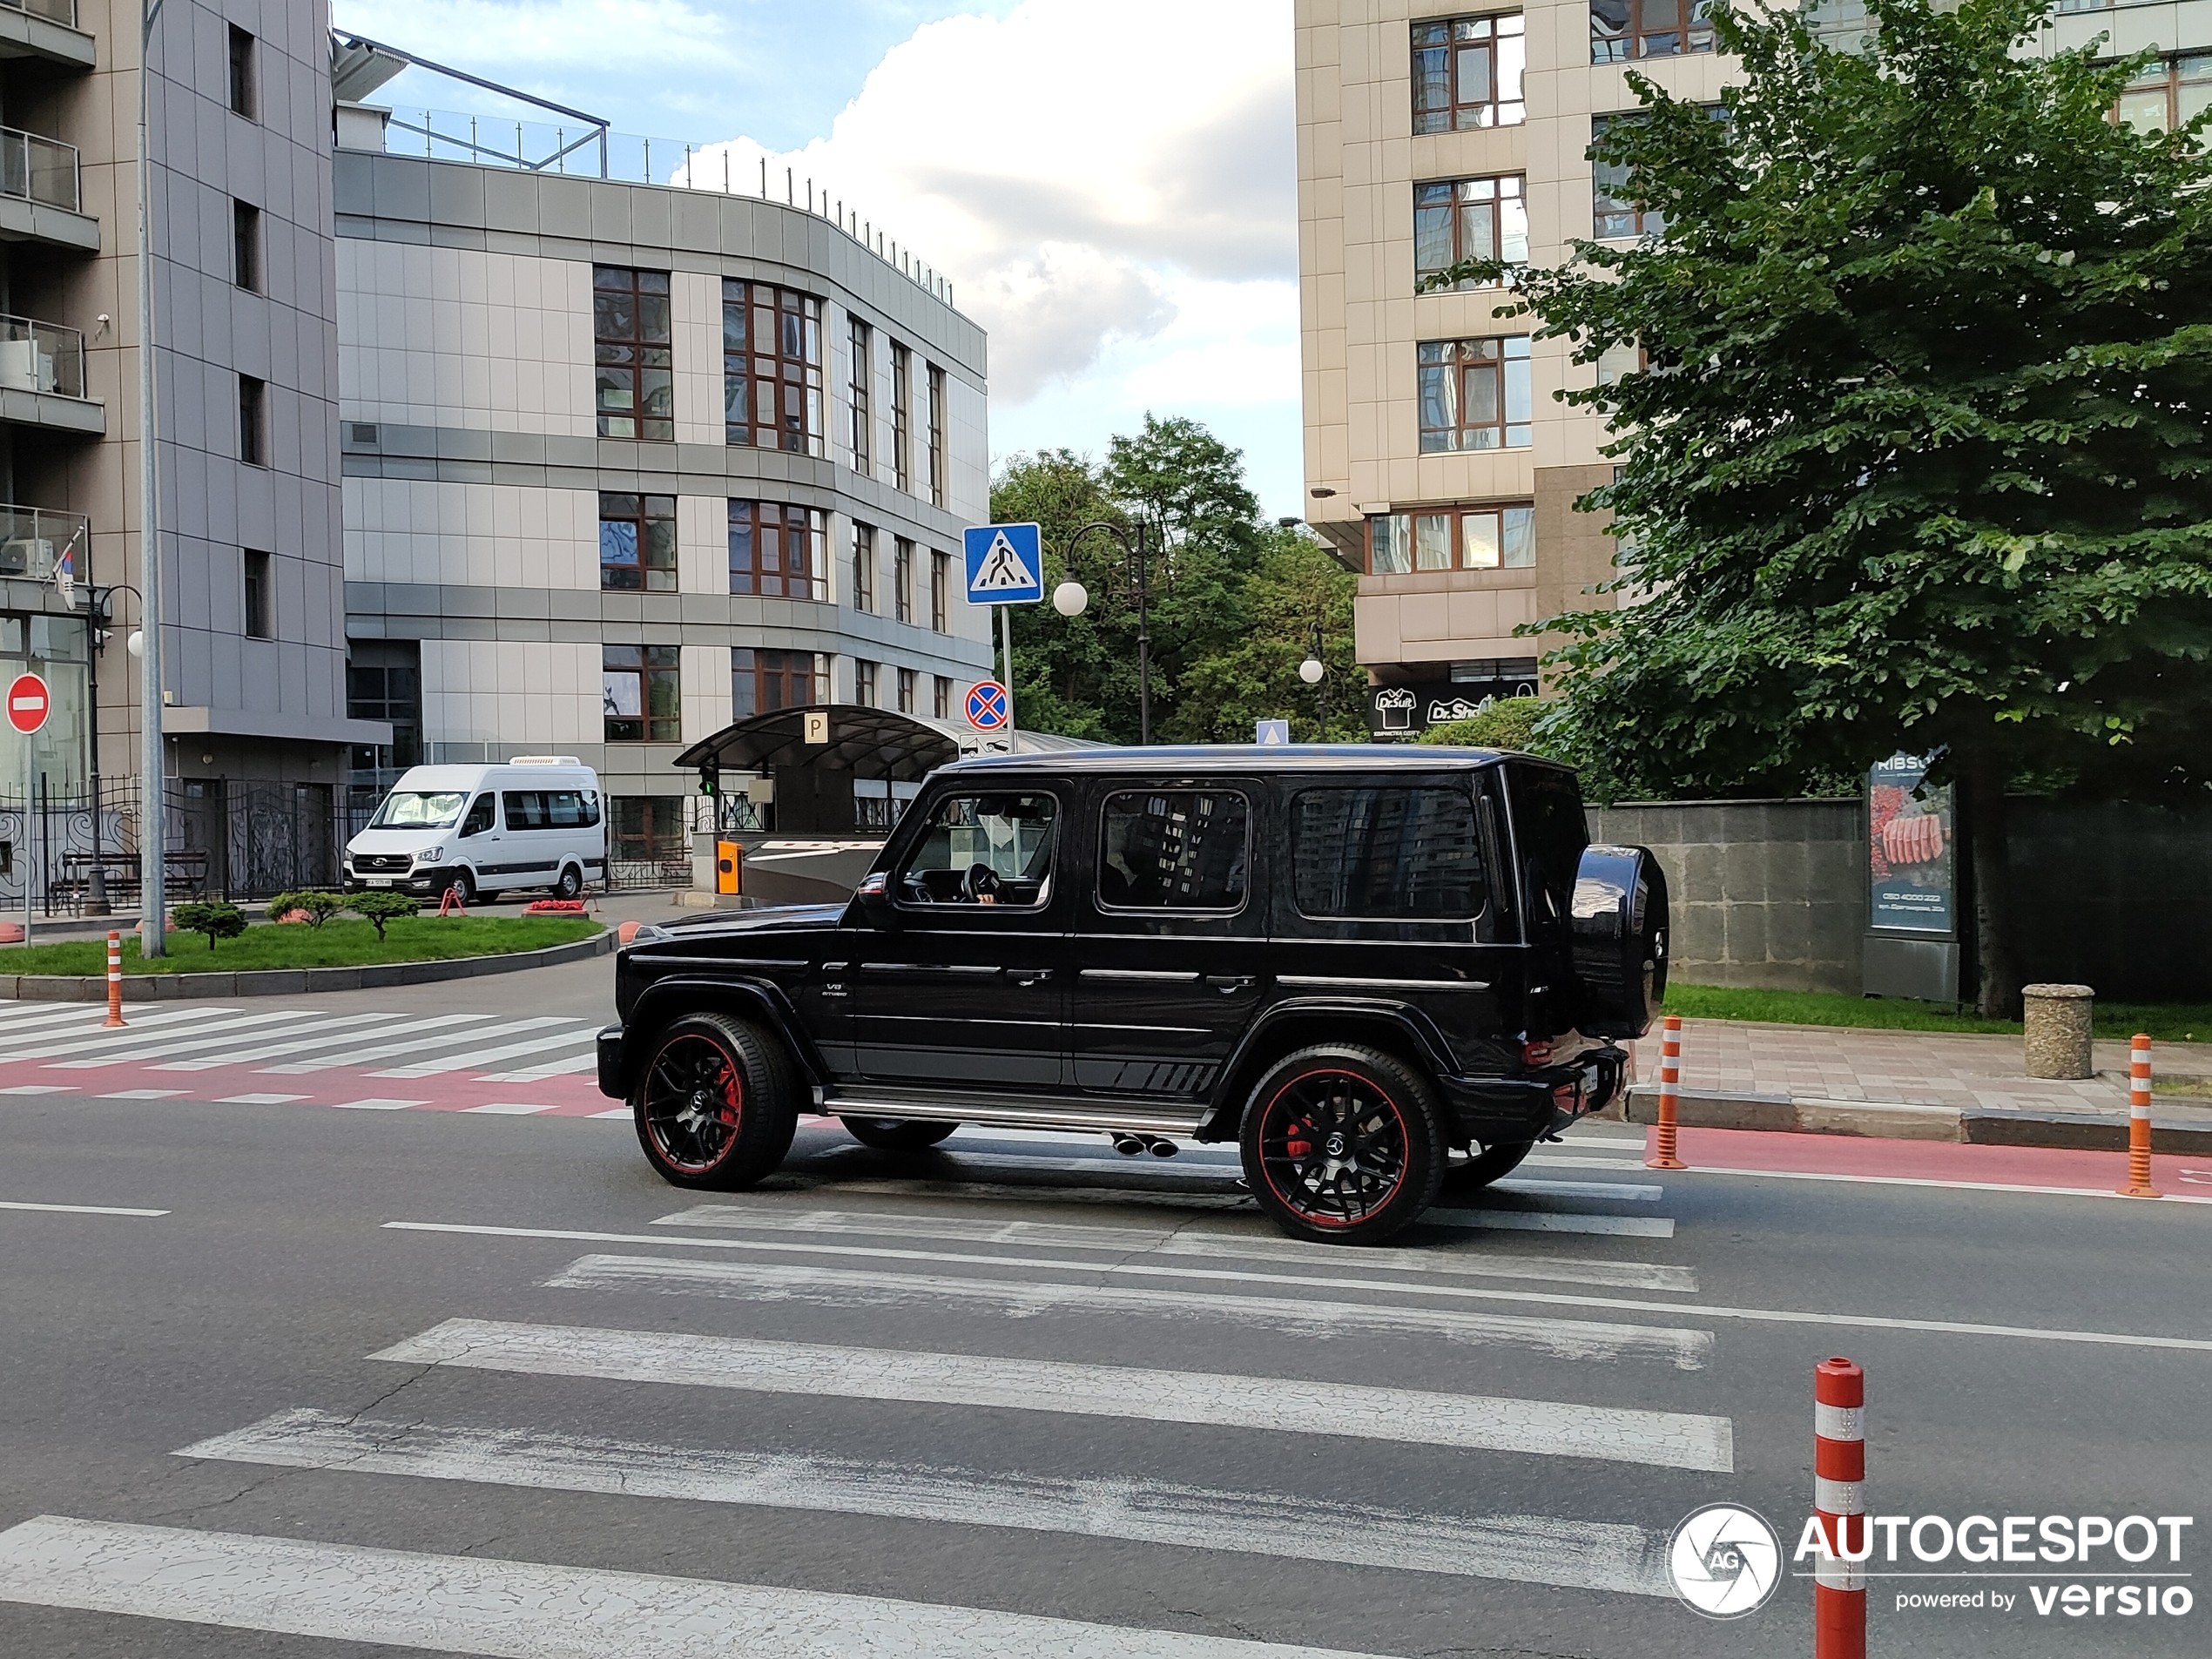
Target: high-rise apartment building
1438	460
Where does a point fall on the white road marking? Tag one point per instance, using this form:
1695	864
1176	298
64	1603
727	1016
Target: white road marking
1268	1405
259	1100
514	1107
475	1022
1571	1339
1550	1221
373	1104
1560	1161
138	1023
53	1016
37	1089
1619	1304
141	1094
623	1112
212	1033
79	1209
1620	1192
1529	1549
1955	1186
558	1068
584	1032
469	1604
329	1033
984	1230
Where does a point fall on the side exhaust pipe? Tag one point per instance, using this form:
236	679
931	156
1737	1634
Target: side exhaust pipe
1161	1147
1128	1145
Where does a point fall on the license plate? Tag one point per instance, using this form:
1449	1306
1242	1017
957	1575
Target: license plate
378	881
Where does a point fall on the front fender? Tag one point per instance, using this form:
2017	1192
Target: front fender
622	1048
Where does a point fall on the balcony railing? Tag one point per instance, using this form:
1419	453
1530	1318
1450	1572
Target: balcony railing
40	356
32	540
39	170
60	11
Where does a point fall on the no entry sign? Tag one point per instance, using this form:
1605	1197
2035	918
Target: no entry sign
29	702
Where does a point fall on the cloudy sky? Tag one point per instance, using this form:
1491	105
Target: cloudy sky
1110	187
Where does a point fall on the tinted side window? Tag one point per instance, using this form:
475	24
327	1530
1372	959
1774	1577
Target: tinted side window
1177	849
1387	852
982	849
479	814
526	810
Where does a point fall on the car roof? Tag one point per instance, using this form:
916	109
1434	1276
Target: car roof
1244	758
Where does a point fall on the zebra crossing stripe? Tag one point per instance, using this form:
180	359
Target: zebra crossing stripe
1661	1439
1550	1221
1212	1242
587	1061
1530	1549
1572	1339
474	1021
469	1604
140	1022
582	1031
329	1034
209	1034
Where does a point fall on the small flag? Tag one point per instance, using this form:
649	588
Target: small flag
65	570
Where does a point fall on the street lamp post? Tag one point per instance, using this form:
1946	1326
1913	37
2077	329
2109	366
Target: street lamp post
1314	672
152	856
1069	598
96	628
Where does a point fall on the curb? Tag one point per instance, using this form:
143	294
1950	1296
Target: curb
295	981
1976	1126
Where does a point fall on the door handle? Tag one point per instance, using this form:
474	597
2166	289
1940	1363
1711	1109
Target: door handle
1230	984
1028	976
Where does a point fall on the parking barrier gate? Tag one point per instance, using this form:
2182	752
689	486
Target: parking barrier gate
1839	1505
1663	1156
114	978
2138	1182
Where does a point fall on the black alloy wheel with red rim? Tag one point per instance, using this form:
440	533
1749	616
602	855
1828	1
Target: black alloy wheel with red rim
714	1104
1342	1144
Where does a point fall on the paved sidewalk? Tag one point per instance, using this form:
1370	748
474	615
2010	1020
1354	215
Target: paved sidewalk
1910	1067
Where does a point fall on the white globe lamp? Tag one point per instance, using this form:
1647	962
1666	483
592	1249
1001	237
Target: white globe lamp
1069	598
136	642
1309	670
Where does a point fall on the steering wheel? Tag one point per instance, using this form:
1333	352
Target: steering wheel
979	879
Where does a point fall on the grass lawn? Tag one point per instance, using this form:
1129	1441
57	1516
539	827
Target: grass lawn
346	943
2177	1022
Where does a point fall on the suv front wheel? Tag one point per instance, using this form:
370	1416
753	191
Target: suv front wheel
715	1104
1343	1145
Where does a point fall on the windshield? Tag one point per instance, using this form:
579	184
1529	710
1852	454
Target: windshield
420	809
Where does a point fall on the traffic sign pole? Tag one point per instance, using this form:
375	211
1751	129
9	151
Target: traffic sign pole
1006	651
30	701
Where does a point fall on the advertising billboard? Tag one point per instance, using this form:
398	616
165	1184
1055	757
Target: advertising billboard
1911	863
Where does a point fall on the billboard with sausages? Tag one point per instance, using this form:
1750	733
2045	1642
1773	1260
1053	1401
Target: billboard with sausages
1910	865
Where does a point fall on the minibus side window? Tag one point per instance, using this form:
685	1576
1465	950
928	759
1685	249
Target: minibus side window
479	814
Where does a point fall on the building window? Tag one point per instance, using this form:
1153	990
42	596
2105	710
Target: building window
647	829
1614	210
902	414
2166	94
863	566
637	543
1467	73
902	577
1452	538
937	436
631	330
260	602
252	421
384	682
861	418
243	90
1469	219
1475	394
763	681
644	693
1621	30
864	683
941	700
779	551
771	368
906	682
246	245
941	591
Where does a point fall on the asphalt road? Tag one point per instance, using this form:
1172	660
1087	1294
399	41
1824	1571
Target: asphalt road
895	1379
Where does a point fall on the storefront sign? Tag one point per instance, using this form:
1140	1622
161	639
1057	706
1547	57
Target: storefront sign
1909	863
1408	710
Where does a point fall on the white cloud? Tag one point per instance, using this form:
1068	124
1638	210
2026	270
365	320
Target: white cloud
1110	190
567	42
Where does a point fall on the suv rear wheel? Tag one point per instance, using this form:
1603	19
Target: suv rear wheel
897	1134
1343	1145
715	1105
1484	1163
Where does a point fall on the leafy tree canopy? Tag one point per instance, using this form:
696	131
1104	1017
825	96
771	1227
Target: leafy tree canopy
1233	598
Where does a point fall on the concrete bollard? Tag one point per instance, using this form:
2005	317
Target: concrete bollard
2058	1021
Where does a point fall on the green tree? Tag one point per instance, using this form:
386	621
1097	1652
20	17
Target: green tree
381	908
216	917
316	905
1232	598
1920	460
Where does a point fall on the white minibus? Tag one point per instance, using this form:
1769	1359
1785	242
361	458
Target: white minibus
537	821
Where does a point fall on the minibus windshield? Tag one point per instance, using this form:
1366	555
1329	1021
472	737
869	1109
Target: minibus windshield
420	809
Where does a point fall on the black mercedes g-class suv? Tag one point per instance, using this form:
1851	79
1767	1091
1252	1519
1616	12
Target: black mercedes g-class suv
1350	960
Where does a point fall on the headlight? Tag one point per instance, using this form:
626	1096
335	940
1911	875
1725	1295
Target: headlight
428	855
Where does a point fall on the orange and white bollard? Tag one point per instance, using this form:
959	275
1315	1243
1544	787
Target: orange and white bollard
1662	1156
114	978
2138	1182
1839	1505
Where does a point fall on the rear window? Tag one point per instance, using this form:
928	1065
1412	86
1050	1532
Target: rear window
1549	825
1173	849
1390	853
551	809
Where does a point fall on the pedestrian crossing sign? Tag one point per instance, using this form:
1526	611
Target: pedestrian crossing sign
1005	564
